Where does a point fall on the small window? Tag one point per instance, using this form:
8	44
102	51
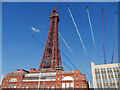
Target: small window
15	85
47	86
32	86
77	78
9	85
42	86
58	78
57	86
23	85
12	86
82	85
27	86
53	86
36	85
77	86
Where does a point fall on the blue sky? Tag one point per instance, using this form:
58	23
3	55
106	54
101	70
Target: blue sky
22	51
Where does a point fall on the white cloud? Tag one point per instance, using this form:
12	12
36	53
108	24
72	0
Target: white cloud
36	30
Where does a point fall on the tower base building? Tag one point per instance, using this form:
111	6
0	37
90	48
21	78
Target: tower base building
45	79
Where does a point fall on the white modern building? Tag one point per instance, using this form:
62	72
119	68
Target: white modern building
106	75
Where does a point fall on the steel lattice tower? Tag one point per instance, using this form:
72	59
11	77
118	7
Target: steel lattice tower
51	57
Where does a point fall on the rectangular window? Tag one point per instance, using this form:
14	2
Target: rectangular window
77	86
72	85
77	78
42	86
47	86
53	86
67	85
63	85
18	86
27	86
15	85
9	85
23	85
32	86
12	86
82	85
36	85
57	86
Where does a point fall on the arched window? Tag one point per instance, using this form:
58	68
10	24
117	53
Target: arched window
13	80
68	78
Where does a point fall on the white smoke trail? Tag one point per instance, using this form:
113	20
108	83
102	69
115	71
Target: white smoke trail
78	34
66	44
92	33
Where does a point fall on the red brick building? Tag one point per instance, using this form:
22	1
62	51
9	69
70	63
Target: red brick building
50	73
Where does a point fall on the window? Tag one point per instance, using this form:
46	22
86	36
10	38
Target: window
15	85
58	78
27	86
57	86
110	80
53	86
67	85
18	86
12	86
9	85
77	78
42	86
23	85
117	80
36	85
82	85
72	85
47	86
63	85
77	86
32	86
103	80
106	80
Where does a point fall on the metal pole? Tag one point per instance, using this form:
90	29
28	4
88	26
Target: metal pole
39	80
1	80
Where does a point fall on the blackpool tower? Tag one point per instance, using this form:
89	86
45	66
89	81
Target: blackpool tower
52	57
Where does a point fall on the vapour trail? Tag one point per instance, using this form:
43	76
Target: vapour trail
66	44
61	53
92	34
67	65
64	56
103	37
69	60
114	38
78	34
